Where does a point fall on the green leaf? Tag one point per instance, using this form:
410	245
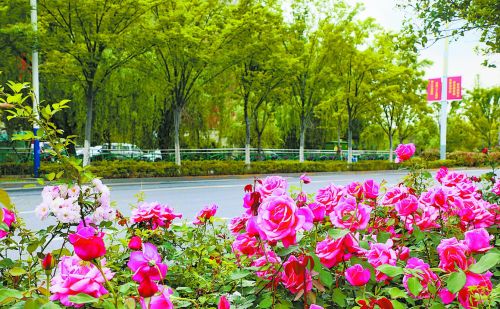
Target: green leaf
486	262
267	302
240	274
50	305
382	237
397	293
326	278
415	286
50	176
437	306
9	293
286	251
339	297
17	271
5	199
4	227
389	270
456	281
83	299
337	233
397	305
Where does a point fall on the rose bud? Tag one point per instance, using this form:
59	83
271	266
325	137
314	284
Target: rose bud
48	262
223	303
135	243
147	288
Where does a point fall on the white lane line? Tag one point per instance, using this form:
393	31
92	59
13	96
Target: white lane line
27	212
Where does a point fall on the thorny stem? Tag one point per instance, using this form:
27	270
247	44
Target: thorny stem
110	287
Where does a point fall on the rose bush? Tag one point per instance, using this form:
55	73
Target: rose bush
419	243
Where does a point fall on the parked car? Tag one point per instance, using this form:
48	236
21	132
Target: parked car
153	156
125	149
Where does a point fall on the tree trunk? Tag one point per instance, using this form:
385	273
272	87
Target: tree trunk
302	138
89	96
247	130
390	146
259	146
339	146
177	145
349	144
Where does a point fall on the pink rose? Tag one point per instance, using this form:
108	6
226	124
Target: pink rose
73	276
477	287
272	185
446	296
496	187
478	240
425	277
441	173
301	199
318	211
223	303
452	179
147	264
332	252
404	152
329	196
269	264
314	306
296	276
403	253
453	253
407	206
425	218
237	224
355	189
88	243
305	179
351	215
279	218
135	243
394	195
370	189
205	214
161	301
380	254
8	218
154	215
357	276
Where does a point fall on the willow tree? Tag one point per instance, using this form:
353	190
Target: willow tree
90	39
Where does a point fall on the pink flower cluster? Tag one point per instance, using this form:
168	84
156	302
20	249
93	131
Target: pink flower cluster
63	202
74	276
8	217
154	215
404	152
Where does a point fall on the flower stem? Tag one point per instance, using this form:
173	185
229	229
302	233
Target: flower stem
108	284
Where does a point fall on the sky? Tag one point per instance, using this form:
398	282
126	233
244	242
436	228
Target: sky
462	59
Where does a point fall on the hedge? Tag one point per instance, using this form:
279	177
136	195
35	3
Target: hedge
140	169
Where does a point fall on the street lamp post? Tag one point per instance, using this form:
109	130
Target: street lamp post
36	89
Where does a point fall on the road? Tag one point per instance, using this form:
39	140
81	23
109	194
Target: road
189	196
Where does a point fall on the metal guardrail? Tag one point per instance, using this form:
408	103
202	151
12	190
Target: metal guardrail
236	154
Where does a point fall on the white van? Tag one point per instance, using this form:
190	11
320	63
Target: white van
129	150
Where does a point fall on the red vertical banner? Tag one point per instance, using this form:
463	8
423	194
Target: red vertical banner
454	88
434	89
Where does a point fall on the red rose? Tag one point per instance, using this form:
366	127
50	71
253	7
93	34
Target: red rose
147	288
88	243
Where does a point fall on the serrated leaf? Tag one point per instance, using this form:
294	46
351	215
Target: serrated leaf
389	270
267	302
456	281
50	176
415	286
437	306
397	305
485	263
83	299
50	305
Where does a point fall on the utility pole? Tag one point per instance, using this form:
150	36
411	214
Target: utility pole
444	104
36	88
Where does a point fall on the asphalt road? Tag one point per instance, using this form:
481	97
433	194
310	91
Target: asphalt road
189	196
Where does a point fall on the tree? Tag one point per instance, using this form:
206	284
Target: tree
92	38
188	38
397	97
444	18
260	60
482	107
